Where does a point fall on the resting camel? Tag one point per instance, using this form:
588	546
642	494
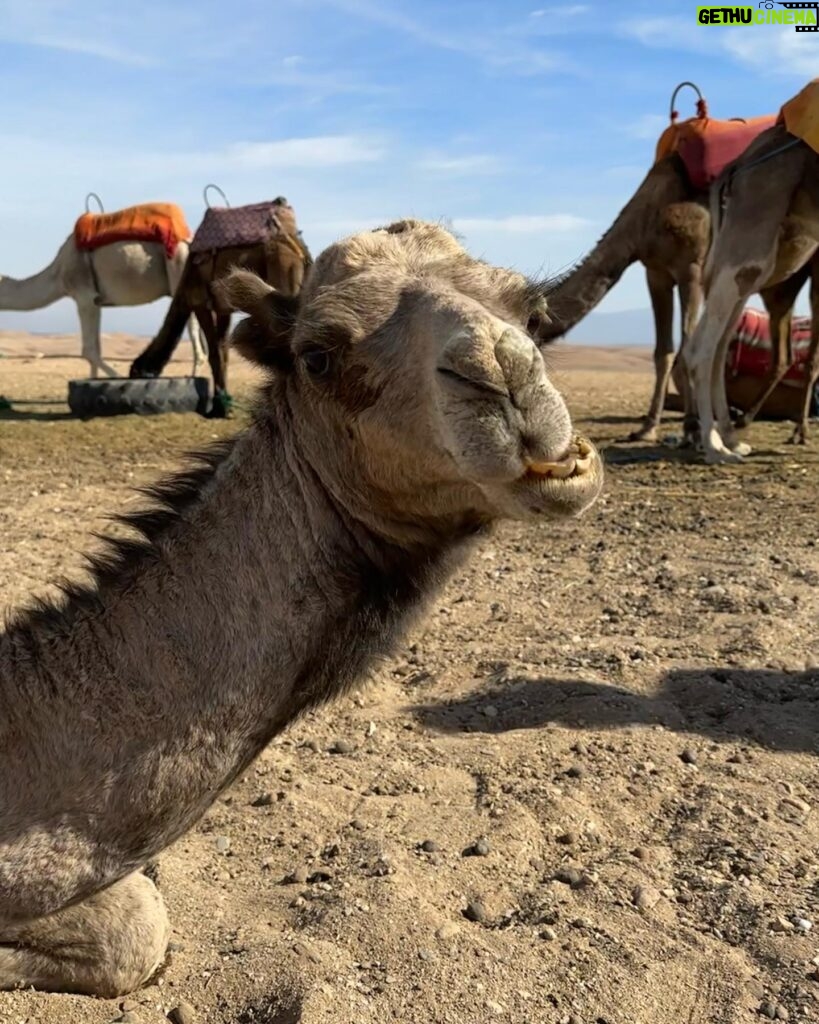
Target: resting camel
406	409
118	274
282	261
768	232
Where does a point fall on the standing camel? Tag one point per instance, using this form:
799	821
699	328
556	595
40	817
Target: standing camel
768	232
406	409
121	273
281	260
666	226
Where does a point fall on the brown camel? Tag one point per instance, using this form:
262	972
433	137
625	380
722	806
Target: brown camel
282	261
407	409
768	231
666	225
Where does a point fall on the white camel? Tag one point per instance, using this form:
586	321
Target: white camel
117	274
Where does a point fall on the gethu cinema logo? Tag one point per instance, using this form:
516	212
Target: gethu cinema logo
803	16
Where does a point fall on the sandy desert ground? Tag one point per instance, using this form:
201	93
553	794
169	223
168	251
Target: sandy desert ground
622	712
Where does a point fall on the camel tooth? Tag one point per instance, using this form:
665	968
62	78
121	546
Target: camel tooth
542	468
583	465
583	447
563	470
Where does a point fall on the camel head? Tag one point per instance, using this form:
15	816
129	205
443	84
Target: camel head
413	385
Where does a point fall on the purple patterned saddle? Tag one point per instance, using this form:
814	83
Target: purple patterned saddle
231	227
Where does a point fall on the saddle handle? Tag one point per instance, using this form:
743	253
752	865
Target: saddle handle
702	110
216	189
89	197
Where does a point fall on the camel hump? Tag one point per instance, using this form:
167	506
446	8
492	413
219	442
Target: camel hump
149	222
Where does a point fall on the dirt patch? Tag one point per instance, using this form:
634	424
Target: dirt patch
617	719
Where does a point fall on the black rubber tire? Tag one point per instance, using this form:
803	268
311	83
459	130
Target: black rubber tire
145	396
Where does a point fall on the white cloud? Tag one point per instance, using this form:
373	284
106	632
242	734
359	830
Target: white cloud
521	224
318	151
772	49
477	163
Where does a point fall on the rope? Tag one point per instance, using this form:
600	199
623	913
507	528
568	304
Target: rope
702	106
216	189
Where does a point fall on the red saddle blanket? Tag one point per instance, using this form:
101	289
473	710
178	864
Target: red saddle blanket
707	146
149	222
750	353
229	227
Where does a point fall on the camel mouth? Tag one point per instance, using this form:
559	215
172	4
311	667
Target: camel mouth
580	460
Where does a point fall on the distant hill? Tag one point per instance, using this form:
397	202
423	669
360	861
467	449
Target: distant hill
627	327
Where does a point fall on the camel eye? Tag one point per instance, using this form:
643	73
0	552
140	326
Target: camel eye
316	361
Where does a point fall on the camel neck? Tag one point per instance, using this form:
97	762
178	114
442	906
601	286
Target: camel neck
33	292
254	602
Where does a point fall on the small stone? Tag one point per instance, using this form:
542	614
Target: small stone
184	1013
568	838
430	846
263	800
476	912
768	1010
644	897
342	747
299	876
802	924
549	934
782	1013
576	771
494	1007
128	1004
688	756
479	849
359	825
447	931
782	924
222	844
569	876
129	1017
490	711
537	864
312	745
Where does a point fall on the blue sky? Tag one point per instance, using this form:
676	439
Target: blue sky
526	125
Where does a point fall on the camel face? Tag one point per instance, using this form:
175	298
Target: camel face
411	359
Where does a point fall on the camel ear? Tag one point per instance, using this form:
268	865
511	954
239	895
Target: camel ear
264	337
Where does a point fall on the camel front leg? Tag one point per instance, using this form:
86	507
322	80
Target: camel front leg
690	288
661	290
107	945
721	312
90	317
800	434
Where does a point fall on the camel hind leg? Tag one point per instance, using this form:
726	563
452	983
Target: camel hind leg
661	290
90	318
109	944
800	433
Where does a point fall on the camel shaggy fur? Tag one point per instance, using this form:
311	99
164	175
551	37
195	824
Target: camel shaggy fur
407	409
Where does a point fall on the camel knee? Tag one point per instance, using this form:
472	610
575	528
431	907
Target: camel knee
108	945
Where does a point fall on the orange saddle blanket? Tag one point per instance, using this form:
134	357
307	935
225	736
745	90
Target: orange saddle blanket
149	222
800	115
707	146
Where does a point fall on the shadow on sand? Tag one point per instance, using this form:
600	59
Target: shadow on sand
776	710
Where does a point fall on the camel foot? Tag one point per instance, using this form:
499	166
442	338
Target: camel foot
739	448
221	407
797	437
723	457
646	433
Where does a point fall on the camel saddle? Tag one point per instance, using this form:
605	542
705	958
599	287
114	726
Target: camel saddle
149	222
706	146
240	227
800	115
750	353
